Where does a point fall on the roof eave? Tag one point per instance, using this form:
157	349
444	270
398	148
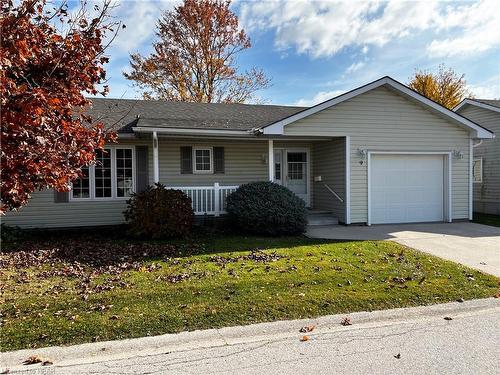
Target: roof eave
477	130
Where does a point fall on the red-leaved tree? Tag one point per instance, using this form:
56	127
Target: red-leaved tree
50	58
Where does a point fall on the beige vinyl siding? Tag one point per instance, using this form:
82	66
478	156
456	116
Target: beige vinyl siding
245	161
383	120
43	212
487	193
329	163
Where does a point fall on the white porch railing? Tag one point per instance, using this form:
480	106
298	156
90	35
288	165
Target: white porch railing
207	200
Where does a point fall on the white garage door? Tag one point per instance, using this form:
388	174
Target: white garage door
406	188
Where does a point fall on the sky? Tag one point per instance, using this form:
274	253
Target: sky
315	50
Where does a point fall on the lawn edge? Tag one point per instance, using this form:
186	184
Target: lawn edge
88	353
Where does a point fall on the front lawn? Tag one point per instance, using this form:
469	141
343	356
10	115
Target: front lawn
52	295
487	219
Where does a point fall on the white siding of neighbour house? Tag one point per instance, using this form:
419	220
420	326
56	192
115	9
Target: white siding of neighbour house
383	120
487	193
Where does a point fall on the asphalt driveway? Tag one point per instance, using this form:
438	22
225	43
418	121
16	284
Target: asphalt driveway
475	245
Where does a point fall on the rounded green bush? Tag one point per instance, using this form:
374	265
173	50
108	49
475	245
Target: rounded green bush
158	212
267	208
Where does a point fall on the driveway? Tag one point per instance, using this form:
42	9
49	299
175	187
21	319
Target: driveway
475	245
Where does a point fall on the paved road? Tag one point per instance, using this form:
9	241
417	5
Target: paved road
472	244
425	342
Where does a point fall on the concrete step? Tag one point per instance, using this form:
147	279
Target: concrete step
321	218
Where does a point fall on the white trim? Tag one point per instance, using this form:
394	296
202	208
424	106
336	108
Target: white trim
284	168
114	197
448	209
348	179
211	152
156	163
114	183
89	198
481	174
471	177
479	132
477	104
270	158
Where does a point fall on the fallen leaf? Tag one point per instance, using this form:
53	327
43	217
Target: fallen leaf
47	363
346	321
448	318
304	338
497	295
114	317
32	360
398	356
461	300
306	329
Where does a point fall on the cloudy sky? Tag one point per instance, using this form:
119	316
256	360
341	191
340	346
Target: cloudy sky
314	50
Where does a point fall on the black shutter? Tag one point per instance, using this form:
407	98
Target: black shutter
219	160
186	160
61	196
141	168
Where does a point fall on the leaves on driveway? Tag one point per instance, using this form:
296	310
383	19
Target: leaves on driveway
346	321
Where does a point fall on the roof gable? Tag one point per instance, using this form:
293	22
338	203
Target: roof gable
395	86
492	105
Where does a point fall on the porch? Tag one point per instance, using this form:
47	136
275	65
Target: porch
209	170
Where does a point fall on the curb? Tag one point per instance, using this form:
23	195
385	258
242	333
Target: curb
274	331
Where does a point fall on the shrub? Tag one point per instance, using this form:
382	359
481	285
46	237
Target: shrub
158	212
267	208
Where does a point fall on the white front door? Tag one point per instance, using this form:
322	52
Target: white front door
406	188
297	173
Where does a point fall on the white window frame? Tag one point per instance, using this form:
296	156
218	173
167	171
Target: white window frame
91	188
204	148
480	181
114	190
111	151
114	187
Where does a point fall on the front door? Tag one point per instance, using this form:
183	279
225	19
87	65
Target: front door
297	174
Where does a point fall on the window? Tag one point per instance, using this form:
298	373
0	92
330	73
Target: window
124	182
81	186
112	176
477	171
102	170
296	165
202	160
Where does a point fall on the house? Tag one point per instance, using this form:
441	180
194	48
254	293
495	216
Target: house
380	153
486	154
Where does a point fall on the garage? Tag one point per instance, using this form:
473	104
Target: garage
407	188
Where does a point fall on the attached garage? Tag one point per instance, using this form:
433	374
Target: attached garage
408	188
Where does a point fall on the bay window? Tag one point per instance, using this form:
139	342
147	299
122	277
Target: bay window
112	176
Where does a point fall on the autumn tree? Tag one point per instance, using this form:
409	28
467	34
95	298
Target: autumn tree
49	59
444	87
194	59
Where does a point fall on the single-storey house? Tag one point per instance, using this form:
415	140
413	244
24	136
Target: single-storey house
486	161
381	153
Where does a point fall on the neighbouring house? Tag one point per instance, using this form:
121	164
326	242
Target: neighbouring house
381	153
486	160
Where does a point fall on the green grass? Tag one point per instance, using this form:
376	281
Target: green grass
487	219
311	278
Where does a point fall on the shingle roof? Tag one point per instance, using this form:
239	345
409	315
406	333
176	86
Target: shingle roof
493	102
123	114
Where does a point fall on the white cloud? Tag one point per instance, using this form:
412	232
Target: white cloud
323	28
354	67
318	98
140	19
488	89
